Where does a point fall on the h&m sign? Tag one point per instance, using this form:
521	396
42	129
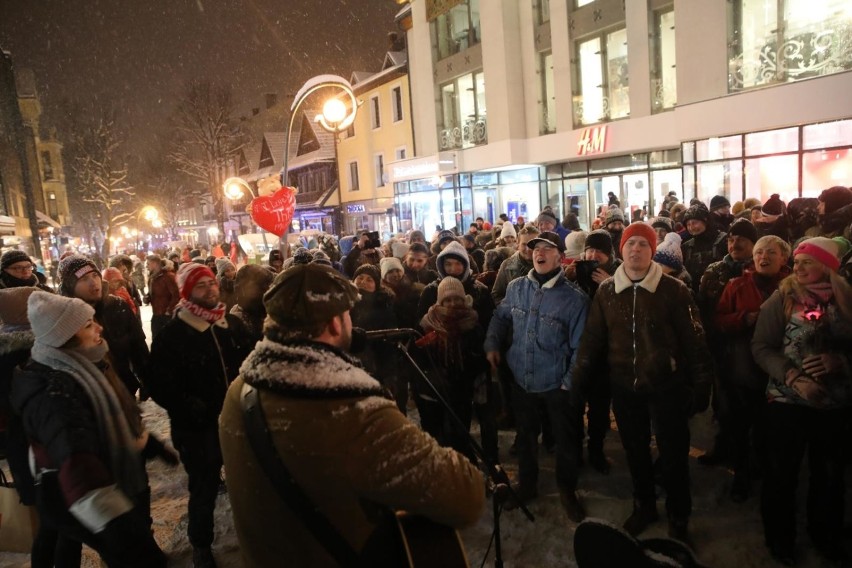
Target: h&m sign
592	141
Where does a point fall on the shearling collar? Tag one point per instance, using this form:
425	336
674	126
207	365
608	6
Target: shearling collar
199	324
307	369
650	282
13	341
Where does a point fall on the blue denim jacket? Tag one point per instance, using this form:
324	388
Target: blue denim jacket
541	326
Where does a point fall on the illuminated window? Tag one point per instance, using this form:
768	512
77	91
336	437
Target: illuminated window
601	78
663	72
463	112
456	29
777	41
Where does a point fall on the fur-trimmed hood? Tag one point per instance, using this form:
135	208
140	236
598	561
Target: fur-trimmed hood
307	369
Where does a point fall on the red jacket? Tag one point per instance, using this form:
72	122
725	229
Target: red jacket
163	291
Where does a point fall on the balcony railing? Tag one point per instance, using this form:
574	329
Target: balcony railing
473	132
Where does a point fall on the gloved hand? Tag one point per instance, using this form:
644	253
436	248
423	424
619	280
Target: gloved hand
155	448
128	542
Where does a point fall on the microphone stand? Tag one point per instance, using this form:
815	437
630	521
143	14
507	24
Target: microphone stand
496	474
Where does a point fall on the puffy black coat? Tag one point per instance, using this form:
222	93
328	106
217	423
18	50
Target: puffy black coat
702	250
191	367
128	350
15	351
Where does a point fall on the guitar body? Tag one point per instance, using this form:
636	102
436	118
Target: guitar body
428	544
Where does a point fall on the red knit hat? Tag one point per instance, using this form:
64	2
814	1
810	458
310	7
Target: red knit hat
643	230
188	276
824	250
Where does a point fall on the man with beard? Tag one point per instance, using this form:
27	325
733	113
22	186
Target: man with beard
193	360
706	245
365	460
80	278
541	321
644	334
613	224
720	213
16	270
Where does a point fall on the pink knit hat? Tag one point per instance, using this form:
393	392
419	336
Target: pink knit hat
824	250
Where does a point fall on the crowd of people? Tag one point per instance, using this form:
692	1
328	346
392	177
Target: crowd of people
538	326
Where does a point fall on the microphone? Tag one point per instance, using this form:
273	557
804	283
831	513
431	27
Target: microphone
391	334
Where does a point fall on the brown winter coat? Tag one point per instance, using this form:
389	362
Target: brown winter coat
163	293
667	348
347	446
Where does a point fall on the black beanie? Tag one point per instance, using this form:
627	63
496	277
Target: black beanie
773	206
743	228
698	212
11	257
718	202
601	240
71	269
370	270
833	197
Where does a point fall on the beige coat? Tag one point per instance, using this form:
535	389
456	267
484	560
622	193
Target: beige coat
346	445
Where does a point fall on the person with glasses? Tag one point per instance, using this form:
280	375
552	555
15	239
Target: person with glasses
17	270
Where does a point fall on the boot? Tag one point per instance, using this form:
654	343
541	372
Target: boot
642	516
572	505
203	557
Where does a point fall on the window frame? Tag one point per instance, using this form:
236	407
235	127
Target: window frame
375	112
354	176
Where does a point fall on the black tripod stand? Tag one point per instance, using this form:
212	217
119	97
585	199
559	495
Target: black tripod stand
498	479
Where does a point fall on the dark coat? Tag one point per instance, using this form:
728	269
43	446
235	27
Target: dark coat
15	351
482	301
374	311
163	293
702	250
128	351
186	372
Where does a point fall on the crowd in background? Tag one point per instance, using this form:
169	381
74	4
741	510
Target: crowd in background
538	326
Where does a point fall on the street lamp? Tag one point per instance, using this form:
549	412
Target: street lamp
235	189
335	117
150	214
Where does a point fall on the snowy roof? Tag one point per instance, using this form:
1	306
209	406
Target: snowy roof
276	142
323	137
395	58
359	76
388	72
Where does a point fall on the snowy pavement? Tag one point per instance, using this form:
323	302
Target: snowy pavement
725	534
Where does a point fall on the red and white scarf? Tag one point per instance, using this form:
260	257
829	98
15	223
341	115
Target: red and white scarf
210	315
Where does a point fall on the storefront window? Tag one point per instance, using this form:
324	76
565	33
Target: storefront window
827	135
824	169
719	148
457	29
772	142
663	71
463	112
635	196
772	174
485	203
518	176
777	41
662	182
600	71
721	178
547	97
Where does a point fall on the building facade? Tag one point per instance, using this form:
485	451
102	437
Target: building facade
523	104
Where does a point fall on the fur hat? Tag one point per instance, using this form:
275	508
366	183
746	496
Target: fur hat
56	319
508	231
613	214
308	294
599	240
449	287
11	257
399	249
495	257
640	229
697	212
743	228
718	202
223	264
827	251
370	270
773	206
13	305
662	223
388	264
575	242
188	276
834	198
71	269
669	253
457	251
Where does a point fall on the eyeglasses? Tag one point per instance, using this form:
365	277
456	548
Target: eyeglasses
20	269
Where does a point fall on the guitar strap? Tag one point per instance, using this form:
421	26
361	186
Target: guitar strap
287	488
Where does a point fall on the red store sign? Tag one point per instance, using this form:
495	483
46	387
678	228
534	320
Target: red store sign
592	141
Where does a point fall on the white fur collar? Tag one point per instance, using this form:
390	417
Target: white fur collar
650	282
200	324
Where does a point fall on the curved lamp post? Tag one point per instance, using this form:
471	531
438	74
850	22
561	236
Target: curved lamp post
150	214
235	189
335	116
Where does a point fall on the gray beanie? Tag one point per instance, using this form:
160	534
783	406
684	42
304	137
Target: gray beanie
222	264
56	319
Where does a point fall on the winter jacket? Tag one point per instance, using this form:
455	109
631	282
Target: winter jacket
832	225
15	351
9	281
741	297
128	351
252	322
702	250
780	344
163	292
482	302
368	459
192	363
713	282
646	336
374	311
541	326
513	267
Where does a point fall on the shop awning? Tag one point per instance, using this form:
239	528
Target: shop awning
45	219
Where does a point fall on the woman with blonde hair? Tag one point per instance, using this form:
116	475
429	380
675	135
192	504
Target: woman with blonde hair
801	341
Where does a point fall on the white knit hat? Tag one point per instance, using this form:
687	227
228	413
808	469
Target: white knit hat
508	231
56	319
669	253
575	244
400	249
389	263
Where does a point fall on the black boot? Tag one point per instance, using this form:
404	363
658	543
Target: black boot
572	505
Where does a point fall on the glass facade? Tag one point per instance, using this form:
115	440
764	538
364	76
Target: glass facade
456	30
777	41
799	161
463	112
547	96
663	61
601	86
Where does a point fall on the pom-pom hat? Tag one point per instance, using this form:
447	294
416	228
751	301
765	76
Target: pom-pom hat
669	253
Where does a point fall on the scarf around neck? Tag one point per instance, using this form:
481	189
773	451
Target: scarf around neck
122	446
210	315
13	282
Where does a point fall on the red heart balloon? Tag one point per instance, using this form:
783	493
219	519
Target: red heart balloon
274	212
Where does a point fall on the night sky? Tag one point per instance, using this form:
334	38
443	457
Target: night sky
136	55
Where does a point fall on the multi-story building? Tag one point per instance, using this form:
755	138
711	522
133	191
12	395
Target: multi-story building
526	103
381	134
